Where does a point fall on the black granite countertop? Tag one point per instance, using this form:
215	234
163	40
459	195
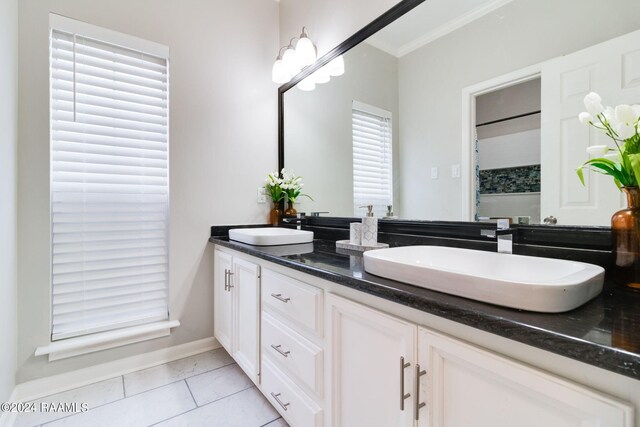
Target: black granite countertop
605	332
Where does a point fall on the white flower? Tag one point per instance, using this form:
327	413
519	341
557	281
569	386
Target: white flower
609	114
593	103
597	150
636	111
613	155
585	118
625	131
625	120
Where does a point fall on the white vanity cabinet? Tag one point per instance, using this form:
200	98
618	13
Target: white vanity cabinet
371	365
237	310
324	360
385	371
293	348
464	385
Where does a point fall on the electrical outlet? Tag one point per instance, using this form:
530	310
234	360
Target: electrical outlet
261	199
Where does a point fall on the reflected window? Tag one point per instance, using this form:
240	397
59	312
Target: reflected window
372	158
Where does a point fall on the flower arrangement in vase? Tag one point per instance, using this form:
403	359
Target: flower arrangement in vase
274	188
622	163
292	187
284	186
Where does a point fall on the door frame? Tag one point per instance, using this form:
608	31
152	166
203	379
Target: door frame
469	94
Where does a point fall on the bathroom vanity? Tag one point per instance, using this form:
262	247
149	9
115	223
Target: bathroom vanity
331	345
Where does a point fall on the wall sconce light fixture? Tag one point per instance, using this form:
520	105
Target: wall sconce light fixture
298	54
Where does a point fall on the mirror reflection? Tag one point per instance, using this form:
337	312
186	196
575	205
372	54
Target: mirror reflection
467	110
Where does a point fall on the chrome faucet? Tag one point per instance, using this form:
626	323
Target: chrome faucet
299	219
504	235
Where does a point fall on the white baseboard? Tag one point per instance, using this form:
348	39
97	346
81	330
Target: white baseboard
41	387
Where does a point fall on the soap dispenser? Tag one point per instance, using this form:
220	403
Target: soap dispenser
390	214
369	231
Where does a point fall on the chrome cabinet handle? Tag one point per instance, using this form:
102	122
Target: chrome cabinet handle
226	279
416	389
277	348
229	286
403	396
279	297
280	402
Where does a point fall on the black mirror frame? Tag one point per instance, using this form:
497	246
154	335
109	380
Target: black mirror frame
592	237
373	27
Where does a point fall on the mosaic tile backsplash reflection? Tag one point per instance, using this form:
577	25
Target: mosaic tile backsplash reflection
522	179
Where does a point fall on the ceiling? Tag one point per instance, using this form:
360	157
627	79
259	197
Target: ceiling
428	22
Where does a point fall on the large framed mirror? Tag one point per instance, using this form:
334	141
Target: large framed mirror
464	110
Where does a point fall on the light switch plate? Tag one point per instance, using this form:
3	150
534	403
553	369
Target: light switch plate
434	173
455	171
261	195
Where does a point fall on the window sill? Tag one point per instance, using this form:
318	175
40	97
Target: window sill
105	340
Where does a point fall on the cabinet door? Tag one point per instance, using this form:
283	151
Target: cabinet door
223	301
245	283
468	386
368	384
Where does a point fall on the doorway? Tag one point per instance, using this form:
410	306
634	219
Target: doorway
507	145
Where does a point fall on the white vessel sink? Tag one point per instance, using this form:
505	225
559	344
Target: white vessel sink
517	281
270	236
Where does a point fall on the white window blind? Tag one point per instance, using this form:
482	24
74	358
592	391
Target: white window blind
372	159
109	182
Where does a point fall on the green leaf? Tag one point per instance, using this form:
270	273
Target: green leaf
580	173
634	159
617	183
606	167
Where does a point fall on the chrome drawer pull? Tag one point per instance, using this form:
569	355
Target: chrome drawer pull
277	348
403	396
226	279
416	387
284	405
279	297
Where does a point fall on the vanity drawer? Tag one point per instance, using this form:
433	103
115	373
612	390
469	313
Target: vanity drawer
299	357
297	408
299	302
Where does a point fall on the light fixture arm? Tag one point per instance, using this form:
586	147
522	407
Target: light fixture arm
280	52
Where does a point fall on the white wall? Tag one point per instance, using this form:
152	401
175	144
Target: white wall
222	143
510	150
329	22
517	35
318	140
511	205
8	196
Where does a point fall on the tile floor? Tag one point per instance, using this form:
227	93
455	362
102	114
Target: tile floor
207	389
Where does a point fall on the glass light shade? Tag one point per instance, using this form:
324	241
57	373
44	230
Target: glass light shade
336	66
305	51
307	84
278	73
321	75
290	62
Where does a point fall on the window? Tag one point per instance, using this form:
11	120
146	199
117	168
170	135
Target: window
372	158
109	179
